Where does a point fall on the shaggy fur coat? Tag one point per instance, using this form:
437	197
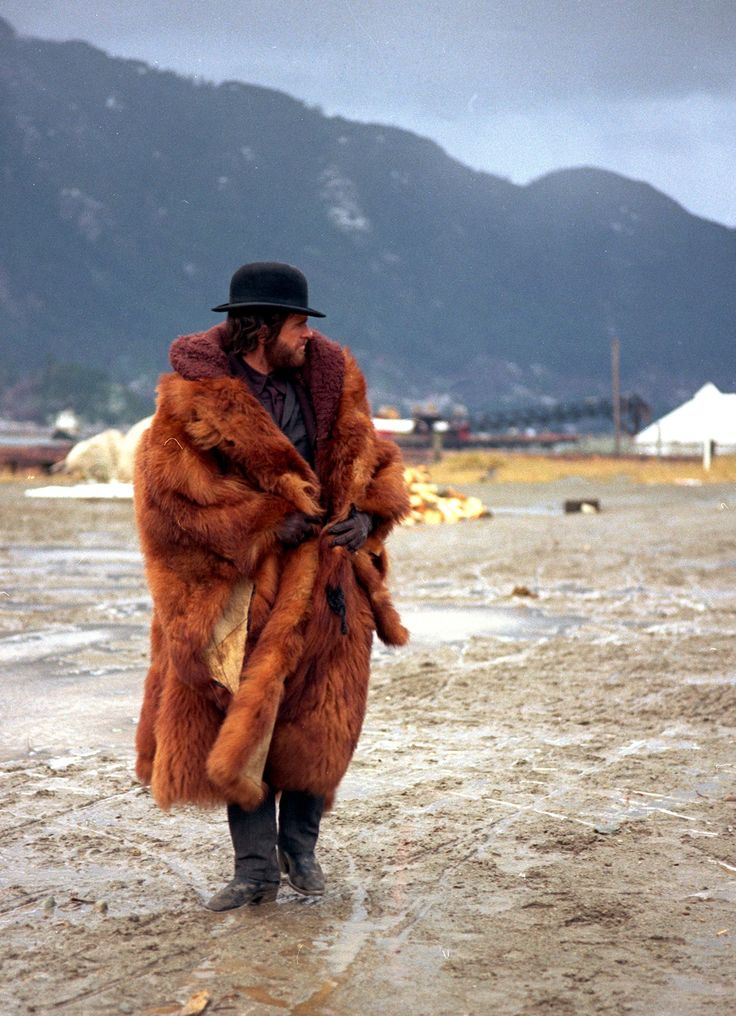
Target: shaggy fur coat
214	479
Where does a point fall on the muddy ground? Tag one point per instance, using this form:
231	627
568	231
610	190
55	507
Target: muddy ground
540	817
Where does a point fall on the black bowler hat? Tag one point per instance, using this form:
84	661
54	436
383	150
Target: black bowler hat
269	284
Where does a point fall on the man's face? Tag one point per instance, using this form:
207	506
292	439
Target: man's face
288	350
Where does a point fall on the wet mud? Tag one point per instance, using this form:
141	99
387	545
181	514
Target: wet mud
540	817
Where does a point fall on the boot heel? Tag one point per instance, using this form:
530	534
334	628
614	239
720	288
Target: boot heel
303	873
268	895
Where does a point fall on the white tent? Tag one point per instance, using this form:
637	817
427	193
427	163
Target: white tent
710	415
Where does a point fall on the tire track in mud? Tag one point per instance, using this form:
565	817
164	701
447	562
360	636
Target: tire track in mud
341	965
19	827
585	783
124	979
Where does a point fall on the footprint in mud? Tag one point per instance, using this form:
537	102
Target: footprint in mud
610	916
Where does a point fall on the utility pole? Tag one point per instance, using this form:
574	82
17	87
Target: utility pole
616	392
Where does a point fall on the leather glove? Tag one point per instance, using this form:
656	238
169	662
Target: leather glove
296	528
353	531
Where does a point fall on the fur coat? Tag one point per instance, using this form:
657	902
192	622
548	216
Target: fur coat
214	479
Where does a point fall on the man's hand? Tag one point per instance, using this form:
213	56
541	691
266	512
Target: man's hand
353	532
297	527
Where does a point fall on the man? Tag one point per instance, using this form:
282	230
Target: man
263	499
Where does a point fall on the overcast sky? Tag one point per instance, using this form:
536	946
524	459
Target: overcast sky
646	88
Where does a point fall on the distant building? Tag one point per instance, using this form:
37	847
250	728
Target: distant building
709	416
390	427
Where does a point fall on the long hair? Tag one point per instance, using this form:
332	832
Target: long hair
246	330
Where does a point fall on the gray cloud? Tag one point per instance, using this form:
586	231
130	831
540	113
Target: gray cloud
514	50
516	87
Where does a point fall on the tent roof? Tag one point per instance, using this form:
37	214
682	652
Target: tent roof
710	415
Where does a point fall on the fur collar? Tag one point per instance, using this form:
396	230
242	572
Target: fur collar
200	357
223	414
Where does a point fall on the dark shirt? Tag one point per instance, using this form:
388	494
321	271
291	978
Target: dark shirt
269	389
285	400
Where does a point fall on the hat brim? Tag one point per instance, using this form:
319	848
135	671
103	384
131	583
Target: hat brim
265	303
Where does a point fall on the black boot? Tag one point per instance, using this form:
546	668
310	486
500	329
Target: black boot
238	893
299	817
256	866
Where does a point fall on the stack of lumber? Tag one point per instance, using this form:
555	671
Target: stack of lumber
432	505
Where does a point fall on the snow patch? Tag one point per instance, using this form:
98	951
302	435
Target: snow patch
343	210
112	491
627	213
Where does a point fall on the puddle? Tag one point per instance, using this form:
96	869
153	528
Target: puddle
689	564
704	679
653	745
433	623
531	509
74	555
41	644
93	673
28	608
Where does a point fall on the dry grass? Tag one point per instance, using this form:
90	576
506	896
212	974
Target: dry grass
502	467
506	467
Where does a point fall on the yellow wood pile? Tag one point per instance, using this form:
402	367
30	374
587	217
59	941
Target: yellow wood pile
433	505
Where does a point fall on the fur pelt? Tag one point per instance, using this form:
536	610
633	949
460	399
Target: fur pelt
214	479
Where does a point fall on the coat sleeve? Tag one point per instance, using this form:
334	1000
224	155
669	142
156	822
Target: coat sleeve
386	497
184	500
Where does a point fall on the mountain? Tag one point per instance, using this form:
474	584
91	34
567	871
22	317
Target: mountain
131	194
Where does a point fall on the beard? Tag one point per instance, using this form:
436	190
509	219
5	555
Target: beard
280	356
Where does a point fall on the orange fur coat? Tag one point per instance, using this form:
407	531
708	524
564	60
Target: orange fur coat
214	479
